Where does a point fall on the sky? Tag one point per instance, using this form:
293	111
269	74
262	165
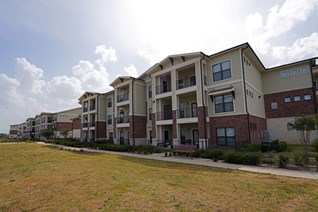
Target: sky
52	51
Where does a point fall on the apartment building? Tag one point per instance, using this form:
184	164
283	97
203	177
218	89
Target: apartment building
13	133
93	116
227	99
63	120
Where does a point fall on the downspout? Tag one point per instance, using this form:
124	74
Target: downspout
313	87
96	119
204	110
245	98
133	112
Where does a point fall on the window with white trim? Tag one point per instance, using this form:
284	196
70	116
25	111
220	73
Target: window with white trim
284	74
287	99
221	71
223	103
296	98
293	72
225	136
304	70
109	119
307	97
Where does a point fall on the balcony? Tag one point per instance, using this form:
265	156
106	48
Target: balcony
85	124
186	82
164	88
85	109
92	124
122	97
165	115
123	119
92	107
187	113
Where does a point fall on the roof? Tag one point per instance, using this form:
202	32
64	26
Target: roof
121	79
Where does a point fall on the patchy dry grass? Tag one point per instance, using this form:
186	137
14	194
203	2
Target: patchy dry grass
39	178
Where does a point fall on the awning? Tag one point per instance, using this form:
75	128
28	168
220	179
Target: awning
222	91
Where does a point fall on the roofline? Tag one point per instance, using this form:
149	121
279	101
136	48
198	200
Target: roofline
292	63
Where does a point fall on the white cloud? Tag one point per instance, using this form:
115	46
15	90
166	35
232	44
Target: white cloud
29	75
91	78
301	48
106	54
131	71
64	89
9	94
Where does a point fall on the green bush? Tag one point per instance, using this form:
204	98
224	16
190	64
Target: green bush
251	148
210	154
280	147
315	145
248	158
299	160
283	161
264	147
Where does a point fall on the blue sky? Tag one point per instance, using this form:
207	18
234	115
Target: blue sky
53	50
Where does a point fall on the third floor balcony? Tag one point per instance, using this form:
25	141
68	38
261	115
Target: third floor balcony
122	97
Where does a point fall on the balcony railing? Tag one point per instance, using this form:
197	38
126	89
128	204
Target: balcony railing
122	97
85	109
85	124
165	115
184	83
92	107
187	113
122	119
163	88
92	124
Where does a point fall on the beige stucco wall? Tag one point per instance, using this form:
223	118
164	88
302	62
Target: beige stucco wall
273	83
66	116
101	109
139	99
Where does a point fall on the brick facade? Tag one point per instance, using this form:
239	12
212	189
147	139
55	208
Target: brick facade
58	126
114	127
76	124
13	132
202	122
138	126
100	130
174	124
239	122
292	108
257	125
154	134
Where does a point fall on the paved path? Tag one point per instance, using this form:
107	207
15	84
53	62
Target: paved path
203	162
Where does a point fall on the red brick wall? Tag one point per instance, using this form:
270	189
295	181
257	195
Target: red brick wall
77	124
174	124
114	127
62	125
257	124
202	122
139	127
239	122
292	108
13	132
154	125
100	129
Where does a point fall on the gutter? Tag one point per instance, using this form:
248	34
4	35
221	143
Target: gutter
245	98
204	110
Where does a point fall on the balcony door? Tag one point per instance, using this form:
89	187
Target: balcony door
194	111
167	112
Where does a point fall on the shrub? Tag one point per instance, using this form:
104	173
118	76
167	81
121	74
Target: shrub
315	145
280	147
243	158
210	154
264	147
283	160
299	160
251	148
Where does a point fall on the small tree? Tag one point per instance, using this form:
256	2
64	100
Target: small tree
65	132
47	133
304	125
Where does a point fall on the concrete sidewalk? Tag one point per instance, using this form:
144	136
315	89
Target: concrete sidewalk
202	162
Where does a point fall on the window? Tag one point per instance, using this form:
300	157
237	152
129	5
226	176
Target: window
109	102
284	74
287	99
296	98
180	84
293	71
150	114
225	136
304	70
149	92
290	126
223	103
307	97
221	71
109	119
274	105
110	136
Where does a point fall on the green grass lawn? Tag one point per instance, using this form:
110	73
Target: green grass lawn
41	178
